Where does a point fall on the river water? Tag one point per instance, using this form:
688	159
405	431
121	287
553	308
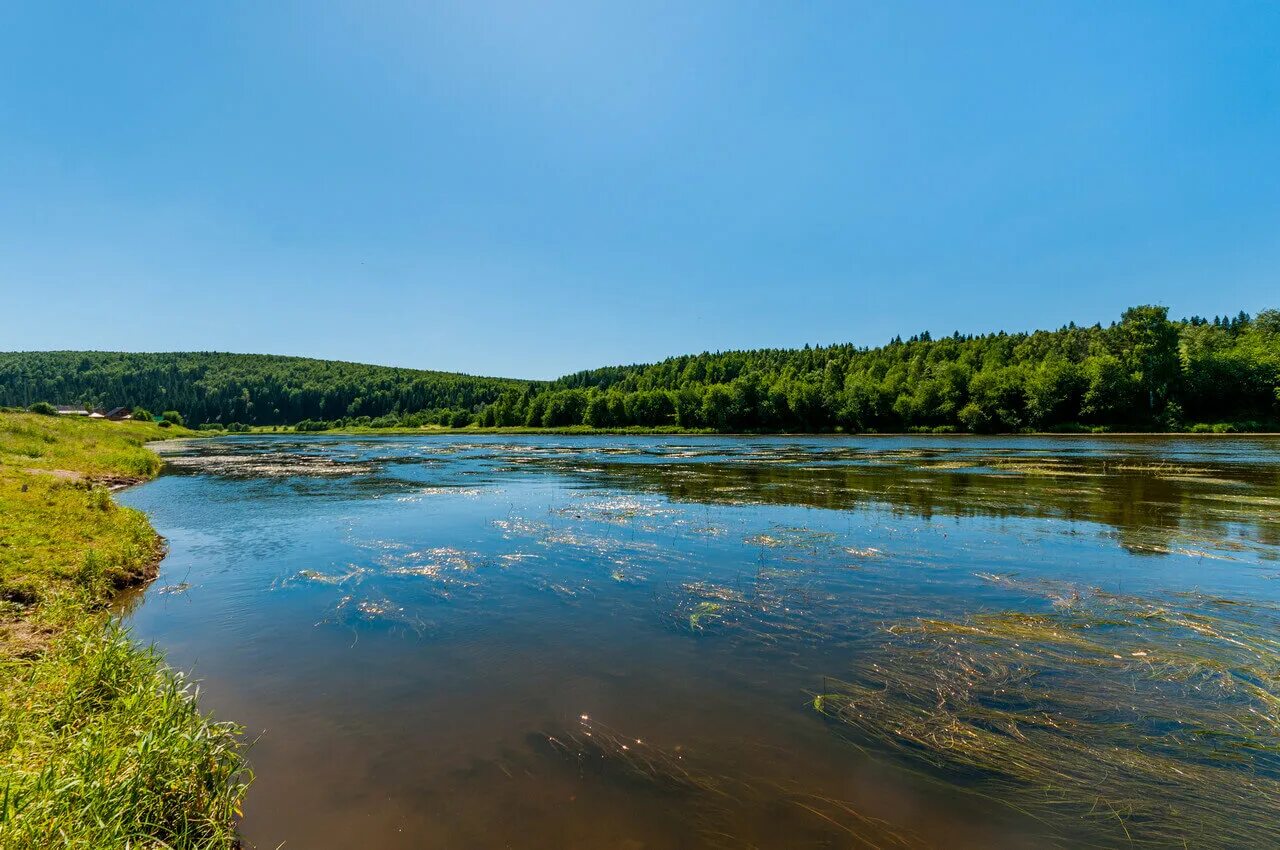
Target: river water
617	642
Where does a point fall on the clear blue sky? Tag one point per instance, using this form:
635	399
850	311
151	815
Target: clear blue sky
528	189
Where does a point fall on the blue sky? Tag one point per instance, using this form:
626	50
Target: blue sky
528	189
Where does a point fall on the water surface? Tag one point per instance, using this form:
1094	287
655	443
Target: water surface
595	642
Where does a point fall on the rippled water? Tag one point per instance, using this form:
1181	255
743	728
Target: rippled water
617	642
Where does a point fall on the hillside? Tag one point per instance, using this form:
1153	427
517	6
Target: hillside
1143	372
247	388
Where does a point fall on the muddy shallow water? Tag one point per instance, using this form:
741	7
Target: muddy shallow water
685	642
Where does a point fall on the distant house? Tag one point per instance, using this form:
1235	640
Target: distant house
72	410
119	414
98	413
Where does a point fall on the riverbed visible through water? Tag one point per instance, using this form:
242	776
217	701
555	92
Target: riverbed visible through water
677	642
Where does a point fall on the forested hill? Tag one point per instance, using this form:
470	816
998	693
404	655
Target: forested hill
245	388
1142	372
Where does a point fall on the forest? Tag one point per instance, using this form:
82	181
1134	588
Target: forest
248	389
1143	372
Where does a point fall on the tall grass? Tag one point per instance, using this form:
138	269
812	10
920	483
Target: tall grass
101	745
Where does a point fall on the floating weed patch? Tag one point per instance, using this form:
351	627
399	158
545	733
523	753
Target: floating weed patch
702	613
442	558
429	492
1145	722
624	572
772	608
335	579
378	608
717	592
271	464
445	567
704	530
704	603
560	590
353	612
781	536
618	510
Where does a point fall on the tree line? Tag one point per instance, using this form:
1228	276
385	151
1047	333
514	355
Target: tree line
257	389
1143	372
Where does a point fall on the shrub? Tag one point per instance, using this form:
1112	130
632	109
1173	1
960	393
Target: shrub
43	408
173	417
312	425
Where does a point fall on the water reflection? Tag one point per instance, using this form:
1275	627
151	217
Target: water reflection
585	642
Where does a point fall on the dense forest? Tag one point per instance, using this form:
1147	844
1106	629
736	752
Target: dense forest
243	388
1142	372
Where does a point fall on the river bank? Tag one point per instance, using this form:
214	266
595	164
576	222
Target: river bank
1215	430
101	744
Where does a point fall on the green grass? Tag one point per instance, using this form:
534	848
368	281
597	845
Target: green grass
101	745
63	536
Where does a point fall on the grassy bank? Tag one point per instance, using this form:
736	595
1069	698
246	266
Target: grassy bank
101	745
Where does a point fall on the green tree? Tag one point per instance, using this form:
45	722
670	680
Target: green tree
1109	390
717	407
1149	350
597	412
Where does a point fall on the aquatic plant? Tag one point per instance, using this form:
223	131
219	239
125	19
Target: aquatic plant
703	611
719	798
1119	718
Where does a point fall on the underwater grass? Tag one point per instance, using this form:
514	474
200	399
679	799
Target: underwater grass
101	745
1114	719
598	748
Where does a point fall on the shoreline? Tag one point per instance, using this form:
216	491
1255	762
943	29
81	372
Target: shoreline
102	744
581	431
